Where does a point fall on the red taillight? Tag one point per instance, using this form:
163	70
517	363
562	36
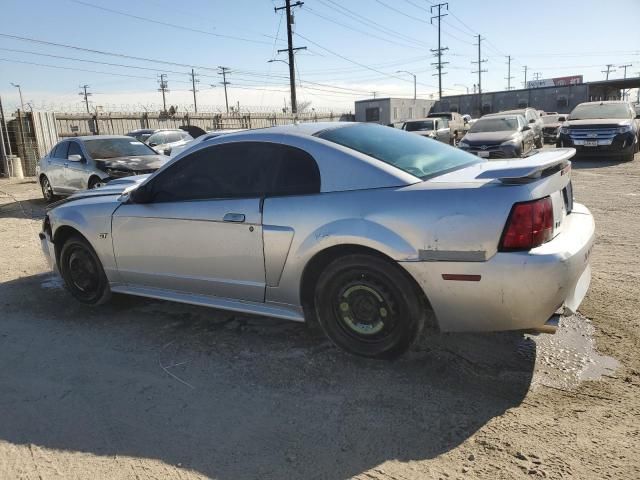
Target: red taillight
530	224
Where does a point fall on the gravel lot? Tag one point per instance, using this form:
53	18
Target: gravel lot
148	389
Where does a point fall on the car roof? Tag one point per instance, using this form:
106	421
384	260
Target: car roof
98	137
502	115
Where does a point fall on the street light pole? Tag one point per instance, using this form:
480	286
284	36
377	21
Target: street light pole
461	85
414	82
19	91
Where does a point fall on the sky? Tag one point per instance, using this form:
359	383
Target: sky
354	48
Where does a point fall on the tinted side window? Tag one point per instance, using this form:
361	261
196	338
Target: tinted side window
298	173
61	150
74	149
172	137
233	170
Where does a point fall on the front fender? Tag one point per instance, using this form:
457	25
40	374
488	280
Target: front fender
91	217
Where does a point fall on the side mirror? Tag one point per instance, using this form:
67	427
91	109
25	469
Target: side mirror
74	158
526	127
141	194
153	144
533	120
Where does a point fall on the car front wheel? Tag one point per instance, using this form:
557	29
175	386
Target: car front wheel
82	272
368	306
47	190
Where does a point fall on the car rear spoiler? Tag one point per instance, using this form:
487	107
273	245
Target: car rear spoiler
530	169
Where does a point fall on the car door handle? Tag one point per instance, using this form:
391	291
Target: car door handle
234	217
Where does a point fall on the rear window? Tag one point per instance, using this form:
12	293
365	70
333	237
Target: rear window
414	154
419	126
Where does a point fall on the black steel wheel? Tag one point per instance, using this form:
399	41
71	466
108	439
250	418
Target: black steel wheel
369	307
539	142
47	189
82	272
94	182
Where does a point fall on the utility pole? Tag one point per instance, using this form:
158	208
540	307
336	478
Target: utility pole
608	70
438	51
84	93
480	71
537	75
525	76
290	49
164	88
508	78
223	71
625	68
194	80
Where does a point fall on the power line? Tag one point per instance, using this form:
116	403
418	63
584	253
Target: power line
167	24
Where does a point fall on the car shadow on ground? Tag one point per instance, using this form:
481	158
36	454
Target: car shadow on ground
585	162
31	208
232	396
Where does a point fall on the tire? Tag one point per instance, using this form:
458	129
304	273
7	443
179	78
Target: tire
94	182
369	306
47	190
539	142
82	272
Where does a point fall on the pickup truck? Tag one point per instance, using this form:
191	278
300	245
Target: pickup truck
436	128
458	126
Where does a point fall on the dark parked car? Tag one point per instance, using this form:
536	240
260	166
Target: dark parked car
532	116
506	136
602	128
552	123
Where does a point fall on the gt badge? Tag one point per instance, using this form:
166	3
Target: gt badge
103	235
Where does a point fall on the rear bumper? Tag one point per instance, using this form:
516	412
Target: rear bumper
512	290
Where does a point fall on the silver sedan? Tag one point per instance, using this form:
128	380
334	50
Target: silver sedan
370	231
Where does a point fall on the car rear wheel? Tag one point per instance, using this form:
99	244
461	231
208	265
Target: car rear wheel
47	189
539	143
82	272
94	182
369	307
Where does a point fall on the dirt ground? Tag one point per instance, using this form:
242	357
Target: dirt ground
143	389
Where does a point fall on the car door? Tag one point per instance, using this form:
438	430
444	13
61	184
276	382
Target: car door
442	129
200	231
76	172
55	167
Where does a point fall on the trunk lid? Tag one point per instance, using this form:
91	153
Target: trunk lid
546	173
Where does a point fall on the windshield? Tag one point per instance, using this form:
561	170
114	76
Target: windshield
588	111
549	119
494	125
419	126
116	147
415	154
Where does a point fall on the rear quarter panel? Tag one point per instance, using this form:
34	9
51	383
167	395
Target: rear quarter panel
406	224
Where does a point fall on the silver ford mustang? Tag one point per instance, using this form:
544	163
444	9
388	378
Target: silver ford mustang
370	231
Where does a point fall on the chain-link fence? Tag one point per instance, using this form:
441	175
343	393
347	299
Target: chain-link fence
30	135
